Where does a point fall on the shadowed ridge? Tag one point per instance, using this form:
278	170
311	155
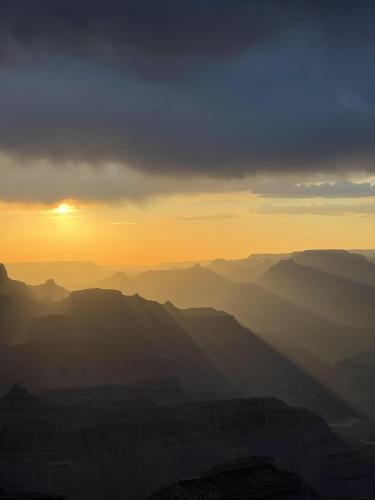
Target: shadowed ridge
243	479
243	270
191	274
94	292
119	339
254	365
117	281
19	393
195	311
49	291
349	265
9	286
239	463
3	274
263	311
17	308
332	252
31	496
20	400
192	287
69	274
335	298
50	328
314	276
157	445
93	302
149	393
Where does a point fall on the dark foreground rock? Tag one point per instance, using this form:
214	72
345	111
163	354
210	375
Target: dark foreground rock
124	450
31	496
243	479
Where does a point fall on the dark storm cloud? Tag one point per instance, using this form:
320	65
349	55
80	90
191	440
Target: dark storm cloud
173	30
170	30
137	31
212	87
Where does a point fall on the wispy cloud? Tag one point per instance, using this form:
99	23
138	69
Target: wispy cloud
200	218
123	223
315	209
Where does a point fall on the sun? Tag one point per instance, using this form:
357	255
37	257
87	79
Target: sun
64	209
67	207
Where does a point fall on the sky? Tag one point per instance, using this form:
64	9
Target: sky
137	132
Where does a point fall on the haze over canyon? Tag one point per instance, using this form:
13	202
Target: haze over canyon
187	250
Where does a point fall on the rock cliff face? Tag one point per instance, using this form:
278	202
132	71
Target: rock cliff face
243	479
128	451
8	285
17	308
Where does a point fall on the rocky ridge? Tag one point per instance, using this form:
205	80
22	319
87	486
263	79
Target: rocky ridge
119	447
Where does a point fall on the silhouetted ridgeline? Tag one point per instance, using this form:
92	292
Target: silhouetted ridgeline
245	270
68	274
122	339
267	311
102	337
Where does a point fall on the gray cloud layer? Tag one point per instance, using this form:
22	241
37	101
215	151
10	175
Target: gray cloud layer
338	189
221	88
39	182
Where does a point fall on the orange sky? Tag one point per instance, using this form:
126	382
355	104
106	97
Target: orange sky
178	228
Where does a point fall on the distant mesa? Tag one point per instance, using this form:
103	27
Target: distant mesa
94	295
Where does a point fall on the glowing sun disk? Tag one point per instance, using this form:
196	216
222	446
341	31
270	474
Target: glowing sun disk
64	208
